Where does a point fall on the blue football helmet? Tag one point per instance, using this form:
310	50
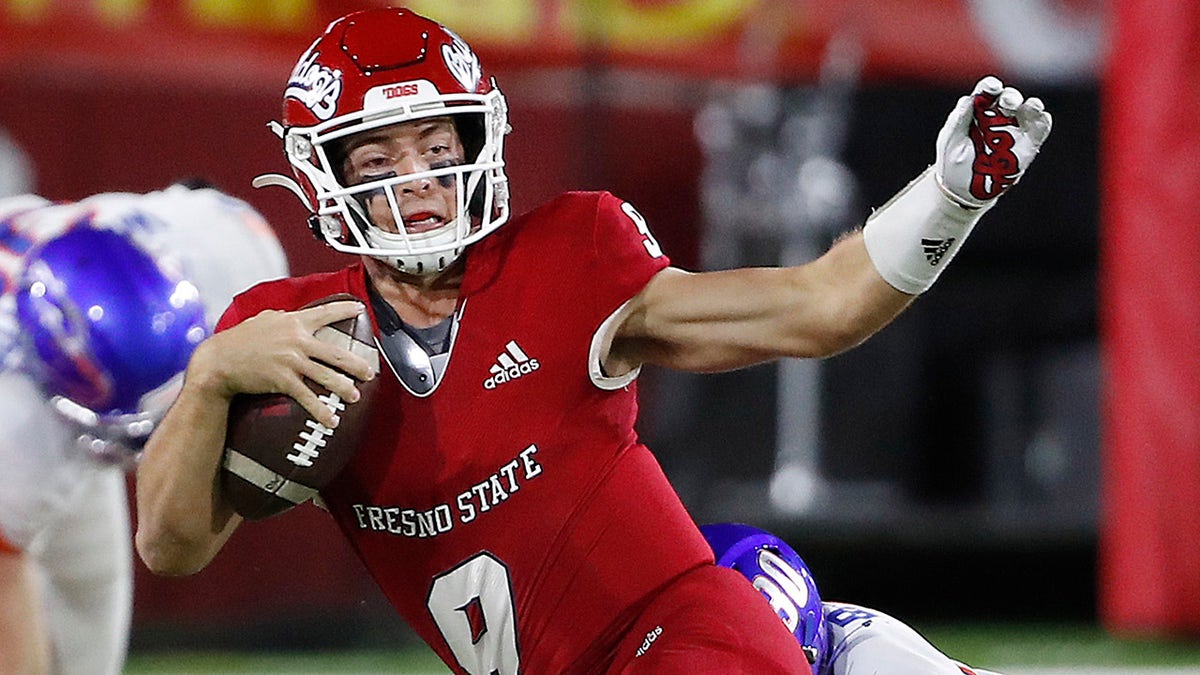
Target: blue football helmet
106	330
779	573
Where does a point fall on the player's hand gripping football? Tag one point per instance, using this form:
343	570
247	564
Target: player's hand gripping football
273	352
988	142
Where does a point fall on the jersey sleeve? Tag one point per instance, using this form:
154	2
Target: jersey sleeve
232	316
626	256
249	303
292	293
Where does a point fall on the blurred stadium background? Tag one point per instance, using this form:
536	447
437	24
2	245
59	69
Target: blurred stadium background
1013	466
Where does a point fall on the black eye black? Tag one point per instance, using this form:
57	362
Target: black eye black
371	177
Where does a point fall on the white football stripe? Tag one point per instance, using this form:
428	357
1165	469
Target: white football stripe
265	479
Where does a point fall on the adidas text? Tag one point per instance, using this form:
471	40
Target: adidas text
511	374
650	638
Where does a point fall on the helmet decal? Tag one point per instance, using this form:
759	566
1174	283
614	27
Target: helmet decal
419	91
783	586
462	62
67	327
314	85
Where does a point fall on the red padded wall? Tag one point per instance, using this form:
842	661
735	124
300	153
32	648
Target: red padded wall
1150	265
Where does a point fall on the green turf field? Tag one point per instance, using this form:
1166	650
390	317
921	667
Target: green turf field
1027	648
408	662
1015	649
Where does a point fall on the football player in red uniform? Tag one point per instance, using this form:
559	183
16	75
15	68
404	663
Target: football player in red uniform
502	501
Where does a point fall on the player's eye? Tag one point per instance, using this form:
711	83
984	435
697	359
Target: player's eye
374	164
366	161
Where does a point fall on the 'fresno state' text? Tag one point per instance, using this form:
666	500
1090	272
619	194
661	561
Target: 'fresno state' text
469	505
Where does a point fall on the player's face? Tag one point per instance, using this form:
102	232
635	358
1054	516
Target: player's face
407	148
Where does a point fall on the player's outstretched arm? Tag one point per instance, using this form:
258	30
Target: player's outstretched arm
730	319
183	518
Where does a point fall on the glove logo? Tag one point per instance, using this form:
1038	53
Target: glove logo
996	167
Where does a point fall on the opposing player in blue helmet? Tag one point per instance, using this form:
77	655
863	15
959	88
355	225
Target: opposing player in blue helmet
838	638
779	573
105	326
102	302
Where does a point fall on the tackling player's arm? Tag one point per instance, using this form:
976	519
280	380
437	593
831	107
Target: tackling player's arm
183	518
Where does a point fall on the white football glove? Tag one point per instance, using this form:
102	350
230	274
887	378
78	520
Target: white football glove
988	142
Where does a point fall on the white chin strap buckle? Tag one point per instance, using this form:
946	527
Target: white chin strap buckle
422	264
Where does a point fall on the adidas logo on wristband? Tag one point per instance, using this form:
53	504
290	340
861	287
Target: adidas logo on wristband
935	249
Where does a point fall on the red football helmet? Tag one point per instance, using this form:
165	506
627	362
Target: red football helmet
376	68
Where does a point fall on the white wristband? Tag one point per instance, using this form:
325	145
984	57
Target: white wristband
911	238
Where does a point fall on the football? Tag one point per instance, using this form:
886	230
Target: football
276	455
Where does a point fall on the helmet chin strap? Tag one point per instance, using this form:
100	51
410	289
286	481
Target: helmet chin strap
418	263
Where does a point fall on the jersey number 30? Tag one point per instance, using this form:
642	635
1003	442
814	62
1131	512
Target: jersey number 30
473	608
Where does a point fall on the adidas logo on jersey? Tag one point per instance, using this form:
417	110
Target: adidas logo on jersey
510	364
650	638
936	248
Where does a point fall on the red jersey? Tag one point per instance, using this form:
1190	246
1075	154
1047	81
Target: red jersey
511	515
